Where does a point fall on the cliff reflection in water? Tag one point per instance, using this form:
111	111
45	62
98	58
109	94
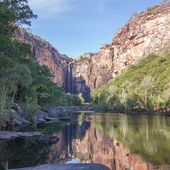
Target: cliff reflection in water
119	141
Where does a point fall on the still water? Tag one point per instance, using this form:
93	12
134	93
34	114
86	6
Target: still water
121	142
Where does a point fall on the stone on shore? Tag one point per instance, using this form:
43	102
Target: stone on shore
40	138
22	120
67	167
8	135
40	120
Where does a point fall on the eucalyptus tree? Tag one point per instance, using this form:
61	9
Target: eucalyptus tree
146	85
124	95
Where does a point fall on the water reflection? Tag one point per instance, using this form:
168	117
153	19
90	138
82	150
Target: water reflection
124	141
118	141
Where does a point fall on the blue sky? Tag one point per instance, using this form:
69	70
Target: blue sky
75	27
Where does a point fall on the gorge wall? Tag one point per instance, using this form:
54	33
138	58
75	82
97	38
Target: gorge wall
145	33
47	55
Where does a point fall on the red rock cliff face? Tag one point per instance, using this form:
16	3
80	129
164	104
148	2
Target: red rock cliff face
47	55
145	33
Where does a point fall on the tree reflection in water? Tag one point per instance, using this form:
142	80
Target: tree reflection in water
115	140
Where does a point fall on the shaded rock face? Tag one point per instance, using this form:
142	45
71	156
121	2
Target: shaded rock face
145	33
93	70
47	55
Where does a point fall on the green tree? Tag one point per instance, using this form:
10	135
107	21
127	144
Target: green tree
22	79
147	84
124	95
111	96
148	90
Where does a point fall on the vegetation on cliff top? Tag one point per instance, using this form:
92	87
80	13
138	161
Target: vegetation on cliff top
22	79
144	86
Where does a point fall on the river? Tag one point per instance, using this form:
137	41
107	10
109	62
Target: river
119	141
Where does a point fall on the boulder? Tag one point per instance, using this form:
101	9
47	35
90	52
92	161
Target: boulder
22	120
40	120
17	108
12	114
42	114
17	122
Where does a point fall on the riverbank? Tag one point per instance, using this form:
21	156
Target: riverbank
44	115
137	111
146	112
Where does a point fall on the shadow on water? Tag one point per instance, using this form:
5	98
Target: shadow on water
117	141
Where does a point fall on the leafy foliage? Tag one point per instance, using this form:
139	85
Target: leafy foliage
142	86
22	79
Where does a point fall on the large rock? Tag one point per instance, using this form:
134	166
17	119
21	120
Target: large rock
40	120
17	108
19	121
22	120
67	167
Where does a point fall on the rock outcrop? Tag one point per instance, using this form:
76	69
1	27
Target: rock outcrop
145	33
47	55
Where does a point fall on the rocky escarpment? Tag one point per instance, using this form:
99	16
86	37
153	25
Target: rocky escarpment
47	55
145	33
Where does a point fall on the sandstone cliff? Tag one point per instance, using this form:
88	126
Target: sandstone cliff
47	55
145	33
